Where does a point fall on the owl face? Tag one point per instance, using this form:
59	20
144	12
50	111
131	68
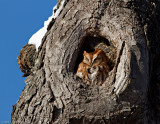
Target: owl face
93	58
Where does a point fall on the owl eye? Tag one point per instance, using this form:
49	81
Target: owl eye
86	60
98	59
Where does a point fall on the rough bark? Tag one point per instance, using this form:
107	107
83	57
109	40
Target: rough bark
130	94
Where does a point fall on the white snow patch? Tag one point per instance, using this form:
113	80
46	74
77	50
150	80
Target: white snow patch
37	37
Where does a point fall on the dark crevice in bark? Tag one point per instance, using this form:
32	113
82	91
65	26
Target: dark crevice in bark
56	113
51	24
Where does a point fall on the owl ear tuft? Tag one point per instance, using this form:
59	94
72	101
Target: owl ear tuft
98	50
84	53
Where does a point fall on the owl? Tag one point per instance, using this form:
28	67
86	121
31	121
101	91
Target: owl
94	68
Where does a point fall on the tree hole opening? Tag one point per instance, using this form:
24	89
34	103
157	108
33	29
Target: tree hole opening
89	43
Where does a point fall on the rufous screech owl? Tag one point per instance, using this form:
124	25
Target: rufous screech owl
94	68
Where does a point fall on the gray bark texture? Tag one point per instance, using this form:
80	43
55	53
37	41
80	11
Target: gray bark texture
129	33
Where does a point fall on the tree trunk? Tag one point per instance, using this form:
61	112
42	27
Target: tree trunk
128	32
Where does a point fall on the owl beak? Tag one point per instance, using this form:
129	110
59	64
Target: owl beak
91	63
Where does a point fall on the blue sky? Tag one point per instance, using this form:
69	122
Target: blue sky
19	19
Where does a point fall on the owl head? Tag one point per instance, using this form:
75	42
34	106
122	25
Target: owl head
94	58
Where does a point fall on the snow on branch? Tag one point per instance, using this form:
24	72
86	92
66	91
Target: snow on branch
37	37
